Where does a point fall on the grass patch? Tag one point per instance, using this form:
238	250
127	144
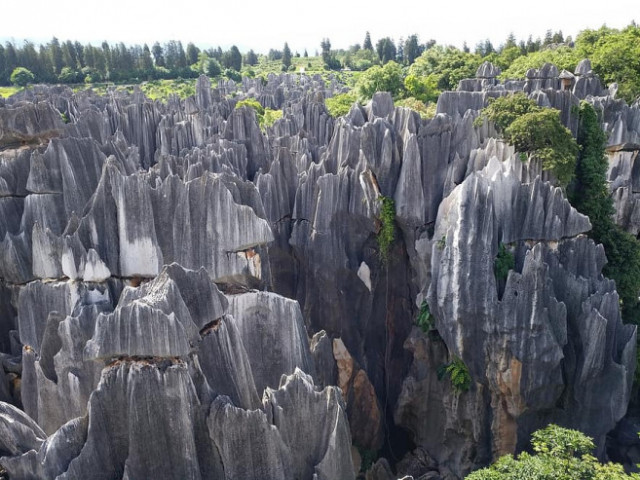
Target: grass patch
6	92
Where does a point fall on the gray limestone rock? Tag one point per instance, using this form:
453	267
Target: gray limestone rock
487	70
272	330
18	432
322	352
29	123
234	430
323	450
120	428
131	186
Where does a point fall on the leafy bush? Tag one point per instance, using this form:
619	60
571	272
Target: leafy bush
212	68
448	65
425	89
339	105
388	78
425	111
252	103
536	131
232	75
265	116
68	75
543	135
386	234
22	77
504	262
503	111
560	454
562	57
615	57
269	118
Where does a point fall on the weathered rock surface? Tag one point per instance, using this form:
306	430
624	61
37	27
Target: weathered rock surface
533	348
115	227
29	123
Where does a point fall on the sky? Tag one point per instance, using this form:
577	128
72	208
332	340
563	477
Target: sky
264	24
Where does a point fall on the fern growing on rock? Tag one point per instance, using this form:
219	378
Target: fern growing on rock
458	374
425	319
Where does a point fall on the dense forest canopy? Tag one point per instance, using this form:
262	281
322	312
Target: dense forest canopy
615	56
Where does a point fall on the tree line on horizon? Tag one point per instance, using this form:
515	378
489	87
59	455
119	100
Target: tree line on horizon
615	56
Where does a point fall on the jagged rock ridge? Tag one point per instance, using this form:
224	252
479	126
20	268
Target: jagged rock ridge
121	229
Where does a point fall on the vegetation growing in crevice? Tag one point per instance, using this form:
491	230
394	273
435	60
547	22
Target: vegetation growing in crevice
387	231
425	319
504	262
265	116
590	195
458	374
425	110
368	458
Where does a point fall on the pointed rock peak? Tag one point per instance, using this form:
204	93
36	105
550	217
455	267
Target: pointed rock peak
488	70
584	67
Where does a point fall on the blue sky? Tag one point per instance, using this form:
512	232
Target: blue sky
263	24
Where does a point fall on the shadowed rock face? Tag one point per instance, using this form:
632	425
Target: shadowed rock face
133	236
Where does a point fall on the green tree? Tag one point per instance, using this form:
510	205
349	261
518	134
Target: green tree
411	49
502	111
423	109
386	234
192	53
381	79
367	45
286	56
3	66
616	58
146	62
21	77
590	195
424	89
158	55
560	454
542	134
212	68
386	50
68	75
69	55
56	55
562	57
232	59
448	64
250	58
328	56
340	105
536	131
